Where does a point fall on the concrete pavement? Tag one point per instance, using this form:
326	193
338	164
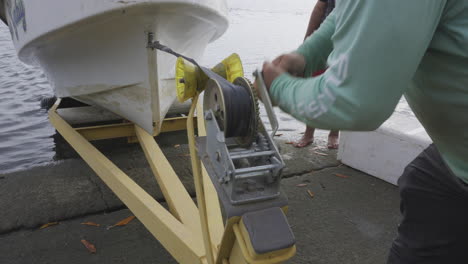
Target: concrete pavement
350	219
69	188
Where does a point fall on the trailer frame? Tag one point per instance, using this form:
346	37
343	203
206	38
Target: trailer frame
186	230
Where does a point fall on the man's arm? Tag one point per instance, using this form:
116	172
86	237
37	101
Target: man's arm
318	46
377	47
316	17
312	55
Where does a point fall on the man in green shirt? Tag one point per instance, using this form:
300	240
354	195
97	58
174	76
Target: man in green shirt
377	51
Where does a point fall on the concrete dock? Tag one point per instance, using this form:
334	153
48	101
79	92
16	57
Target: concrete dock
351	218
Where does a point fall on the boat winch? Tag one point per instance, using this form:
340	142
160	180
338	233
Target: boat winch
239	154
245	160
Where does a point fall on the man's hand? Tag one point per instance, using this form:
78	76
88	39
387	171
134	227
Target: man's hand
292	63
270	73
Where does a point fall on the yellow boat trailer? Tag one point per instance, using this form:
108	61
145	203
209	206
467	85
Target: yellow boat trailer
189	233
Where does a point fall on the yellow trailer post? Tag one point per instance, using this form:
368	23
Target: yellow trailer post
190	233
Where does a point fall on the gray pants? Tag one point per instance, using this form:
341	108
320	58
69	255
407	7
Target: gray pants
434	206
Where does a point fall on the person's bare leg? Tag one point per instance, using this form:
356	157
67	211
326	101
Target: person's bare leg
307	138
333	139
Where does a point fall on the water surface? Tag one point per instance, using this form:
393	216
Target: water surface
25	134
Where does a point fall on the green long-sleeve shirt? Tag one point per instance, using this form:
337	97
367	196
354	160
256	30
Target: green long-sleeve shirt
377	51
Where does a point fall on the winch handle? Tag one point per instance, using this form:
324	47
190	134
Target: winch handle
265	98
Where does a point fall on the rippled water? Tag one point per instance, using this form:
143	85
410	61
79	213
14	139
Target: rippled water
259	30
25	134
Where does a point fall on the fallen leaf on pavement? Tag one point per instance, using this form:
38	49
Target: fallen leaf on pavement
302	185
48	225
278	135
90	224
341	175
123	222
177	146
311	194
90	247
320	153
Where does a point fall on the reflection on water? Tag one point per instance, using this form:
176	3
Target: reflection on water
259	30
25	134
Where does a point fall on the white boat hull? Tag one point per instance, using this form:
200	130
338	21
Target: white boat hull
99	56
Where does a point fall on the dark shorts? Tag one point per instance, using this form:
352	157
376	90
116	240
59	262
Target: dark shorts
434	206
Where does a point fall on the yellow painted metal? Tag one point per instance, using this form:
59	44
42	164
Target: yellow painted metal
198	178
236	255
215	219
127	129
181	242
174	124
186	231
230	68
107	131
190	79
187	79
228	241
180	203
